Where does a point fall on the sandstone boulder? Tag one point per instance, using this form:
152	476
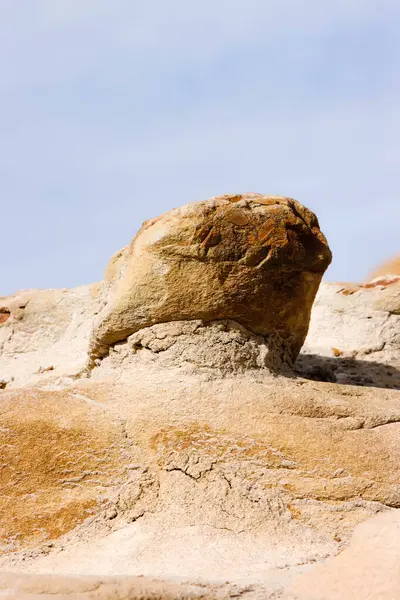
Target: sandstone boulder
257	260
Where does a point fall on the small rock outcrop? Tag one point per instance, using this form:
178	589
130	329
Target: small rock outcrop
390	268
46	332
354	335
253	259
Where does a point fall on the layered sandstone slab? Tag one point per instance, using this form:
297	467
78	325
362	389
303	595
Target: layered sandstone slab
150	459
31	587
367	569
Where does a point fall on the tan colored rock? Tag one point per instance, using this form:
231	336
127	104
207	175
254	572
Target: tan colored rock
218	347
4	315
178	455
115	267
360	322
257	260
354	335
47	328
369	569
150	453
31	587
61	453
389	299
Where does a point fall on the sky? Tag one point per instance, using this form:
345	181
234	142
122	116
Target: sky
114	111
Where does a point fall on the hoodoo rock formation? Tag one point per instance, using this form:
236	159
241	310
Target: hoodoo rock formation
153	445
253	259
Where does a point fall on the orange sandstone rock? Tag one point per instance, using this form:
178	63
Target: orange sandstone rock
257	260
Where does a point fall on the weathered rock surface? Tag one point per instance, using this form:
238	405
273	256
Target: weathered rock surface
31	587
181	454
178	471
214	348
61	454
257	260
369	569
354	335
46	333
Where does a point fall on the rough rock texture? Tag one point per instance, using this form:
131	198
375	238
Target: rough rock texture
116	265
354	335
61	454
30	587
46	332
368	569
217	347
181	454
240	479
257	260
4	315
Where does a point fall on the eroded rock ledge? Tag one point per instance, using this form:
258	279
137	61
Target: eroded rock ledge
220	347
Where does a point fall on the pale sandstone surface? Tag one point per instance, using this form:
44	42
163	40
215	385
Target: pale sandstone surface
360	320
246	478
354	335
368	569
46	332
30	587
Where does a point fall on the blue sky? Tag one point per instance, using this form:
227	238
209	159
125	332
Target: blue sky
113	111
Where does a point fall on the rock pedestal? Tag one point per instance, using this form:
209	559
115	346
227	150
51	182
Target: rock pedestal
253	259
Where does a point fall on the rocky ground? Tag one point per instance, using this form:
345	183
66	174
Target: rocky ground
187	457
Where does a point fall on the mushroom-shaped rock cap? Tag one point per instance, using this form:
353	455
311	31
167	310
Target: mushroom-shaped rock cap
257	260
